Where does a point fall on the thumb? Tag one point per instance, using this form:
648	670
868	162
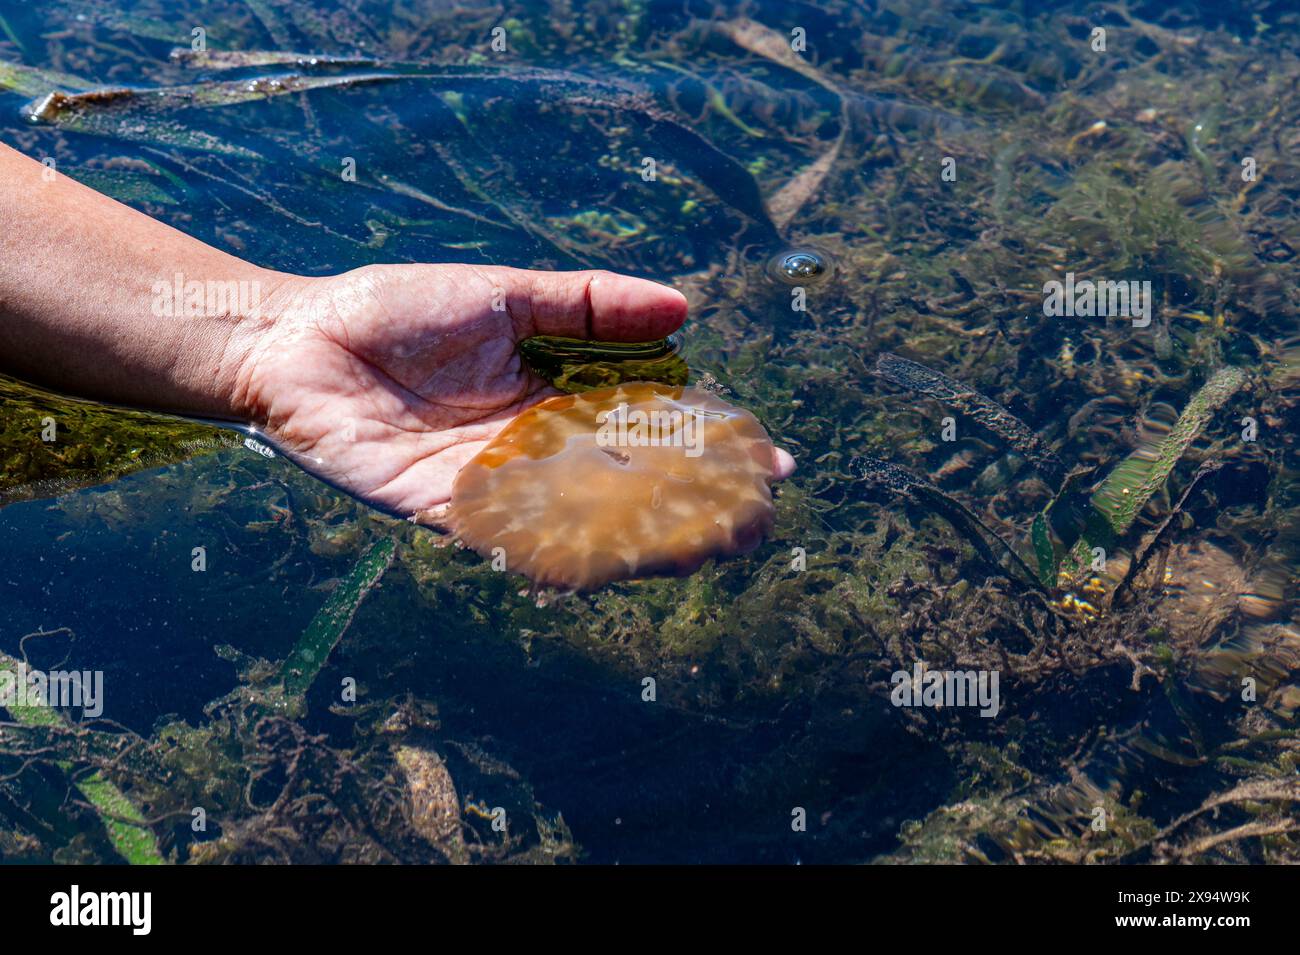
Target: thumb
592	304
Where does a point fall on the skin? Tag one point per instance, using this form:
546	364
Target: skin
383	381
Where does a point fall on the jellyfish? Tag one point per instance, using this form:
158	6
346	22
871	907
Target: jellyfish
636	480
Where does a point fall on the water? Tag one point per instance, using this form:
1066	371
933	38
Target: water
944	162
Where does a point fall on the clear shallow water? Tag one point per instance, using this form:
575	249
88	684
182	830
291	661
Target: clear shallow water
773	683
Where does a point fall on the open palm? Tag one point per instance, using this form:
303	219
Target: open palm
386	380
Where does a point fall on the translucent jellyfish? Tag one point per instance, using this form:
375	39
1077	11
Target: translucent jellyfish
630	481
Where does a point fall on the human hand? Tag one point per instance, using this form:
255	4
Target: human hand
386	380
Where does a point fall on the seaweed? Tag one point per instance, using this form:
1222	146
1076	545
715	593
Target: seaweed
1123	693
900	481
918	378
127	829
1163	531
311	652
30	81
1131	484
89	443
575	365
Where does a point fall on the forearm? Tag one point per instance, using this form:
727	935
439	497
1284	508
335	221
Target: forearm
88	300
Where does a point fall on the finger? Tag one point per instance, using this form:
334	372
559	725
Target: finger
594	304
783	464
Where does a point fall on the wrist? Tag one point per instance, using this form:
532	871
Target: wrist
231	343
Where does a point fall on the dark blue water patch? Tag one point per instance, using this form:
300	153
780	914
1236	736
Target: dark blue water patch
125	587
625	772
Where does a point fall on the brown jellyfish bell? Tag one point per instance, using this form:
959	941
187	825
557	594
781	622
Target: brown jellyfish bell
635	480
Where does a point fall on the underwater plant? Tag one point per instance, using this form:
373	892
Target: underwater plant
774	171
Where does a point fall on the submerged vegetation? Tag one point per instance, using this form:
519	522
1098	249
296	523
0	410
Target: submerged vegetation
386	697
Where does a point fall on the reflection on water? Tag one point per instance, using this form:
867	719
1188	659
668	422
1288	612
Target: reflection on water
828	184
